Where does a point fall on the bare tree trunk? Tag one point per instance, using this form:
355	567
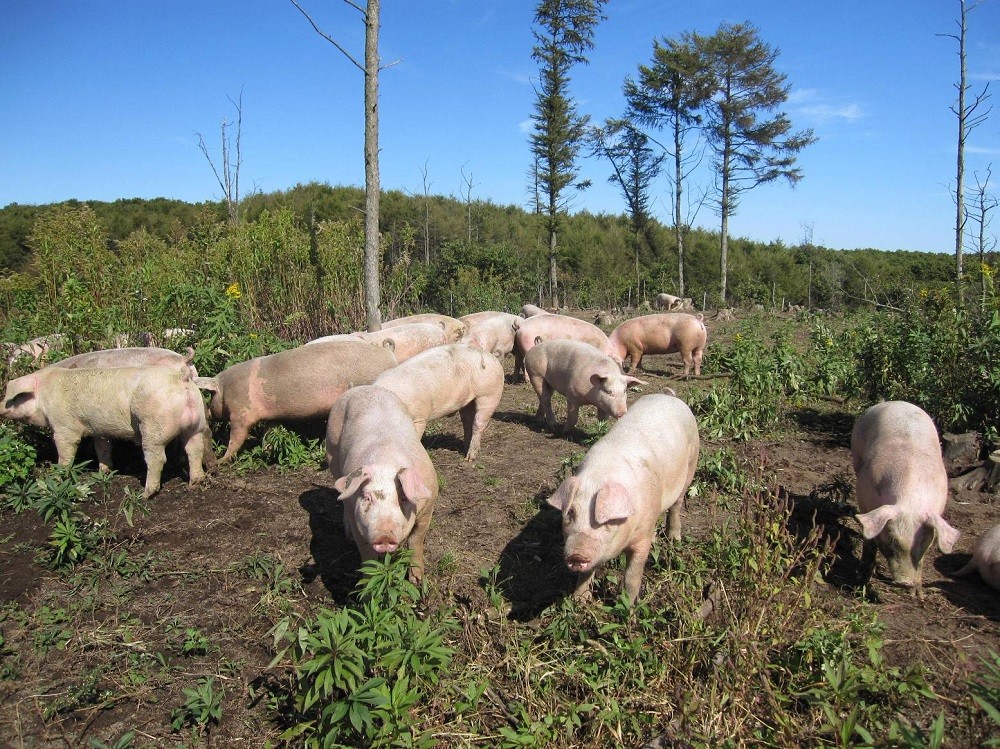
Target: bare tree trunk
373	243
678	228
960	172
553	268
427	216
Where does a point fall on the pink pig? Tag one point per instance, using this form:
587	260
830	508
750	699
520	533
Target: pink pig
581	373
383	474
446	379
530	310
640	469
664	333
408	340
453	327
985	558
149	405
902	489
298	384
494	335
551	327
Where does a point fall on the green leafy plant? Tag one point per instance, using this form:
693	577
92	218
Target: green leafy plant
358	671
202	706
985	690
17	457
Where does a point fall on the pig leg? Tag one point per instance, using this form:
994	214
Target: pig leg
636	356
208	451
238	433
635	563
475	418
66	446
868	550
194	446
545	405
416	544
674	521
572	414
697	361
156	458
688	362
102	446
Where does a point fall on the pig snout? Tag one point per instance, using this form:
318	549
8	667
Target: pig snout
578	562
385	545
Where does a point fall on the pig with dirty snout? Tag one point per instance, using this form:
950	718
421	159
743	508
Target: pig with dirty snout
902	489
985	558
384	476
638	471
149	405
581	373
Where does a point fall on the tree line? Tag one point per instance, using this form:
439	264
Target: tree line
296	257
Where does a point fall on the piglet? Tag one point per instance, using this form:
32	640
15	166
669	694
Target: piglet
664	333
639	470
985	558
446	379
383	474
149	405
298	384
581	373
902	489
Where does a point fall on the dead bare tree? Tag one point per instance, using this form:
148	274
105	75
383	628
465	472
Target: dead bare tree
371	68
227	174
983	204
427	214
467	179
969	118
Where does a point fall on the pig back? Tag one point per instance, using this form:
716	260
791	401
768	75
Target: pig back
550	327
652	449
138	356
303	382
897	458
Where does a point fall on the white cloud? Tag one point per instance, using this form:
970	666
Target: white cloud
525	126
982	151
830	112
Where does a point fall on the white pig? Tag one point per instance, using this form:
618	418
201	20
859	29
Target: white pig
639	470
494	335
985	558
446	379
902	489
150	405
582	374
453	327
383	474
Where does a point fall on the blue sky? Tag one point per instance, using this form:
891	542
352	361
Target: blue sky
103	100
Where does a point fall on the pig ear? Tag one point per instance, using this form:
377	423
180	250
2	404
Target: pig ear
597	380
21	386
210	384
873	522
349	484
631	382
516	325
612	503
562	496
946	535
414	489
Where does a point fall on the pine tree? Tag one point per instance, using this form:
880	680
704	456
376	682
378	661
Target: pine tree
751	140
564	33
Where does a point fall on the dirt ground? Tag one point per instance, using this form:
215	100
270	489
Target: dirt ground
487	515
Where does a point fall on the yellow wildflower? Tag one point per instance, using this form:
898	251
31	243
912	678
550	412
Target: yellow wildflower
233	290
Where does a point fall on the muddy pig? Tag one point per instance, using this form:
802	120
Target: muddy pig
383	474
582	374
408	340
985	558
494	335
446	379
551	327
453	327
640	469
299	384
902	489
142	356
664	333
149	405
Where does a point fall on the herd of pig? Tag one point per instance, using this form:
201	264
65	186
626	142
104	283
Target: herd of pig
378	390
